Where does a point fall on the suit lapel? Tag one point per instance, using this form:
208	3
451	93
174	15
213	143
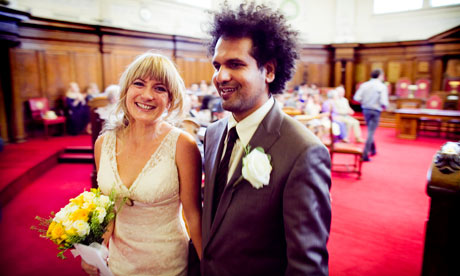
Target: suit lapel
266	134
213	147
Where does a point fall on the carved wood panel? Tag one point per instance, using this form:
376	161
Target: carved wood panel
25	72
58	73
88	69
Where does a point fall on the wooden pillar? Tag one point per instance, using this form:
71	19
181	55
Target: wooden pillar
436	74
3	118
11	106
349	73
17	115
344	66
338	73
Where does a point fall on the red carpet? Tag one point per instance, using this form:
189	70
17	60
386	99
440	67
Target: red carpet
16	159
378	222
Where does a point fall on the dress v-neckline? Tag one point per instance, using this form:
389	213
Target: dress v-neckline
136	180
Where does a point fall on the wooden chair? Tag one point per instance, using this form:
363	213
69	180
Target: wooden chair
428	124
402	88
41	114
423	88
356	151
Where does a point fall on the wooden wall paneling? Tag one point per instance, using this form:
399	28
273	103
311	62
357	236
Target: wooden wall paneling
59	73
25	73
453	67
422	69
361	74
206	70
188	72
88	69
394	71
316	60
314	74
300	74
325	74
180	67
195	64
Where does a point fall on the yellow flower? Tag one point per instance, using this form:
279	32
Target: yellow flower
89	206
80	214
57	232
78	200
50	229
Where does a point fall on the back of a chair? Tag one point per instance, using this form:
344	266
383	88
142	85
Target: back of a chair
434	102
451	84
423	88
38	107
402	87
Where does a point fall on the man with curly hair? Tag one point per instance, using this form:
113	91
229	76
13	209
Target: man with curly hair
266	197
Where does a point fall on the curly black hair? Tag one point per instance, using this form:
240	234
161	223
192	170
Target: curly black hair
272	38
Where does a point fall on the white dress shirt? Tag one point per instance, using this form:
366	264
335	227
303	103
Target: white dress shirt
245	129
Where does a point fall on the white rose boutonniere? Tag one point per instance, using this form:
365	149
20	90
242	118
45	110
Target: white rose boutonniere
256	167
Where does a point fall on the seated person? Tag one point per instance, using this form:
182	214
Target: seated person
339	129
112	92
92	91
320	122
78	110
344	112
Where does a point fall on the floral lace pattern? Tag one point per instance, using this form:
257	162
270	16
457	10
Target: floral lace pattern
149	236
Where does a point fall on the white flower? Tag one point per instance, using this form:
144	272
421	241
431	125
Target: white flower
100	214
88	196
103	201
257	168
82	227
68	224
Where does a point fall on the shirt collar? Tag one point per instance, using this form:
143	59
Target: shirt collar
248	126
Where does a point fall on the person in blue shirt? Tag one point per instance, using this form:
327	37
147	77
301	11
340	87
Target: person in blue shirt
373	96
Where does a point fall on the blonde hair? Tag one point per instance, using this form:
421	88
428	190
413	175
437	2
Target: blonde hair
154	66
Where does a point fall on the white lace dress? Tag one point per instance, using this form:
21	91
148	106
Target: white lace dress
150	237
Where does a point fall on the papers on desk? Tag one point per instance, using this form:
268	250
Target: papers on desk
95	254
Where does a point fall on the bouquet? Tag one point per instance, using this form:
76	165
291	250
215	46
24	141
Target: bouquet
80	225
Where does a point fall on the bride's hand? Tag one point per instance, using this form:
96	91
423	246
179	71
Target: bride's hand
91	270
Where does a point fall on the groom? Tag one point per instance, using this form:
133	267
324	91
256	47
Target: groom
266	212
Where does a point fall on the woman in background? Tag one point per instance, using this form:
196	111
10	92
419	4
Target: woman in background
143	157
77	108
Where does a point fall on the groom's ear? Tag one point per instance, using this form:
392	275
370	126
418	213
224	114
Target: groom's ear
270	71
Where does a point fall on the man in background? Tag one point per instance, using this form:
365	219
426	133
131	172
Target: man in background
373	96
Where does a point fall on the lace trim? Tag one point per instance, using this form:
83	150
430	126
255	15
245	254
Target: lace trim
166	149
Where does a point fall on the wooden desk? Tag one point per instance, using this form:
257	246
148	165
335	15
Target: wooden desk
409	103
407	119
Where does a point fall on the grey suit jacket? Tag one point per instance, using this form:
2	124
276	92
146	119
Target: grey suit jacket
282	228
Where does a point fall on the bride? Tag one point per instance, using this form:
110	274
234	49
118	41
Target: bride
143	157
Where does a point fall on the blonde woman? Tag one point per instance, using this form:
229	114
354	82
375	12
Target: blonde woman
157	166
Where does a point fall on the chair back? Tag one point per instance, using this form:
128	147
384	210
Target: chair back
451	84
38	107
402	87
434	102
423	88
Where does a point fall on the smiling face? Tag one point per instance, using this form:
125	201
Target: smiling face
146	100
242	85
